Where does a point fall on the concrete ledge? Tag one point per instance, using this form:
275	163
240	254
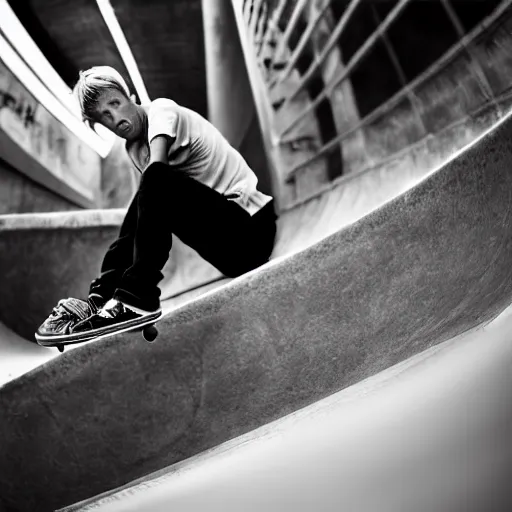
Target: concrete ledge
427	266
62	220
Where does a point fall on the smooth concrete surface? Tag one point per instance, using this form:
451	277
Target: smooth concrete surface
433	433
425	267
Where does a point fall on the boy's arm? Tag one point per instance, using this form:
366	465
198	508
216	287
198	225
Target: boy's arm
168	133
159	149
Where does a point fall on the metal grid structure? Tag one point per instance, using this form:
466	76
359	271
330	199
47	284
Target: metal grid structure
269	25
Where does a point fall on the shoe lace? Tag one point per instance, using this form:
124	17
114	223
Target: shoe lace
71	308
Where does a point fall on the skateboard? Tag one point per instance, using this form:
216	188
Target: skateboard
148	329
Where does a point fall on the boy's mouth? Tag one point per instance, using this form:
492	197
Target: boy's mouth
123	126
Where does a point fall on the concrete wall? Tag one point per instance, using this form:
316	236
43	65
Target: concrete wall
20	194
119	179
41	148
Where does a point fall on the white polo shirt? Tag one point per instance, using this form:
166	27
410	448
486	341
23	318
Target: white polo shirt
200	151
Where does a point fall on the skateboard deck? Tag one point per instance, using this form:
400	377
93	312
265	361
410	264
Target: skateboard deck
149	333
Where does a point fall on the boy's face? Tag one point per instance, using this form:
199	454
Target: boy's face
119	114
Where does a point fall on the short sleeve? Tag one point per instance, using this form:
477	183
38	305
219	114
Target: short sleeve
165	118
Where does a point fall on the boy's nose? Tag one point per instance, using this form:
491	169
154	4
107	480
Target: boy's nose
116	119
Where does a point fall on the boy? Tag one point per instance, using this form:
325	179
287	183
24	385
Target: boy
193	184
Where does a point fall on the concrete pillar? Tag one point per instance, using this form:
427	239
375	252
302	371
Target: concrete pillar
230	101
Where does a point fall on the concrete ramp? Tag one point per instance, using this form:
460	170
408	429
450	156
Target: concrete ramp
19	355
430	433
425	267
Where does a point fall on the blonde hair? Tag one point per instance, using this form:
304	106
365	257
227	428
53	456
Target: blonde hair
91	83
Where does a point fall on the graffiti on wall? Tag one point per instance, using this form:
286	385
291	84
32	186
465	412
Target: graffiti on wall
25	112
46	139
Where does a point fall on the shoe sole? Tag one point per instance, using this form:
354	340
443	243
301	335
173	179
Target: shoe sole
69	339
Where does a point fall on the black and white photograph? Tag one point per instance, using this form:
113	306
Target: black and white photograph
256	255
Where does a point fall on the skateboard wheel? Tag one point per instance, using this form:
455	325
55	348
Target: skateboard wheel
60	348
150	333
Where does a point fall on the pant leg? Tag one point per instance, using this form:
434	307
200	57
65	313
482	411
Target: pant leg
118	257
236	245
220	230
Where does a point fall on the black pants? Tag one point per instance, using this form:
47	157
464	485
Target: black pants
170	202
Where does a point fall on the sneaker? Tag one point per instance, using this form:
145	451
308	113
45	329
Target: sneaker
114	316
64	316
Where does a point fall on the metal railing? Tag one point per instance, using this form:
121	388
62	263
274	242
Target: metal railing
317	63
266	26
301	44
394	100
273	24
354	61
284	39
